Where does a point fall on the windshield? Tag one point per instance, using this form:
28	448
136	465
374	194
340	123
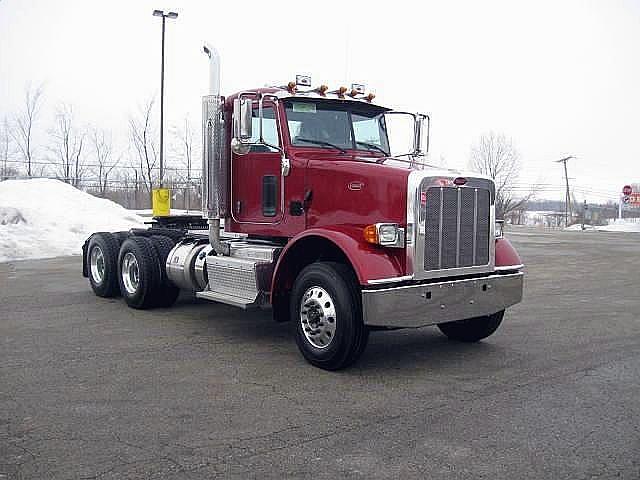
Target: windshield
342	126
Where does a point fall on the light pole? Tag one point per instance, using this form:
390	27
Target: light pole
567	198
172	15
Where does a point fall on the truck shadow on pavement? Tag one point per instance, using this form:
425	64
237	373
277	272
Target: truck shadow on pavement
410	349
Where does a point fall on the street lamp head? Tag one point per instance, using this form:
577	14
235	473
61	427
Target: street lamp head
160	13
565	159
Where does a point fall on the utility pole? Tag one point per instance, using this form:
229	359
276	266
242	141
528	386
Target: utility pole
567	198
160	13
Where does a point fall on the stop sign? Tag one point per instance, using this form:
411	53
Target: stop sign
626	190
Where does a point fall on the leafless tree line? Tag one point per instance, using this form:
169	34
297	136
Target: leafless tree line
86	157
495	155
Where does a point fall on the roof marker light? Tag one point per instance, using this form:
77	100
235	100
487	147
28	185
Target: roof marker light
370	97
291	87
339	92
322	90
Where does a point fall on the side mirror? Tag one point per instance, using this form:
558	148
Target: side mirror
409	127
242	123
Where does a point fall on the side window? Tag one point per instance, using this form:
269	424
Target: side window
269	130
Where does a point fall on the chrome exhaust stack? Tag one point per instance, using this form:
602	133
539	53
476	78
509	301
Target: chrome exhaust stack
215	164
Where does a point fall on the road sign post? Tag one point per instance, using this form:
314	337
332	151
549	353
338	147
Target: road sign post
630	199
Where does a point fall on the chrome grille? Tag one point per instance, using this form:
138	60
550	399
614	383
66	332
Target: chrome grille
457	227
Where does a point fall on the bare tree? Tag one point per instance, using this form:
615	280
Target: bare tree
143	140
495	156
23	125
68	144
5	151
103	149
184	136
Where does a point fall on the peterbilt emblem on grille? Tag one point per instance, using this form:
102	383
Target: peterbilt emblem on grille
356	186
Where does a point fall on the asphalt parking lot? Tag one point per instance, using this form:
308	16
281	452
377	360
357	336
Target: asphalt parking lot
92	389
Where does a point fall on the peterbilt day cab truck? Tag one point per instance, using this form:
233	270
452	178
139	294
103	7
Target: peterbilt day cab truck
306	211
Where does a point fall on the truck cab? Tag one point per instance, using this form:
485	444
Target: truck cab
306	211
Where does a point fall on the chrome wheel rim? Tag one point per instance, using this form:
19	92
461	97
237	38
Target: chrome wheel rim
96	261
318	317
130	273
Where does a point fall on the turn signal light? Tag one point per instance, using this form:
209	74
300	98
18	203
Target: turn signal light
371	234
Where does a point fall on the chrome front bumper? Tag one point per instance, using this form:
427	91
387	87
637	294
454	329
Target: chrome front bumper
433	303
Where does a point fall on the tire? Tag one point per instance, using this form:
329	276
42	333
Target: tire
121	236
139	273
168	292
472	329
329	333
102	264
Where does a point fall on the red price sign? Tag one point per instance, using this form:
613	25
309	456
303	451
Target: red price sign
626	190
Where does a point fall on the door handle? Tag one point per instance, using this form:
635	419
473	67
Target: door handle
285	166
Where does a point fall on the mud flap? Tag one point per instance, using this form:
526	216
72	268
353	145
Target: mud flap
85	245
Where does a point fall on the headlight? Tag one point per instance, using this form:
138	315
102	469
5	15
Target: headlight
499	228
385	234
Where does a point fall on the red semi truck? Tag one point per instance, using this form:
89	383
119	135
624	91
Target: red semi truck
306	211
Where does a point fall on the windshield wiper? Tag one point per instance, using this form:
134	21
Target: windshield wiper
371	145
321	142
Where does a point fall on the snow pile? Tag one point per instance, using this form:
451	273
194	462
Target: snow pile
621	226
577	227
10	216
41	218
617	226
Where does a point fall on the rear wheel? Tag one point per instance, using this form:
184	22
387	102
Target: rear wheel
327	317
472	329
139	273
102	264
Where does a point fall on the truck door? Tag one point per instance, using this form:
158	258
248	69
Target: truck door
255	176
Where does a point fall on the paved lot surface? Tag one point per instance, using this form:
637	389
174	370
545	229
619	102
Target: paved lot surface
92	389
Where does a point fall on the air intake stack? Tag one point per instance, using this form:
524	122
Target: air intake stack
215	164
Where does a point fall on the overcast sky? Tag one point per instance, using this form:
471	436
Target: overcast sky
559	77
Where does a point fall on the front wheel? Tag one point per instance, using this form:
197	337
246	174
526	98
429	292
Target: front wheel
326	313
472	329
